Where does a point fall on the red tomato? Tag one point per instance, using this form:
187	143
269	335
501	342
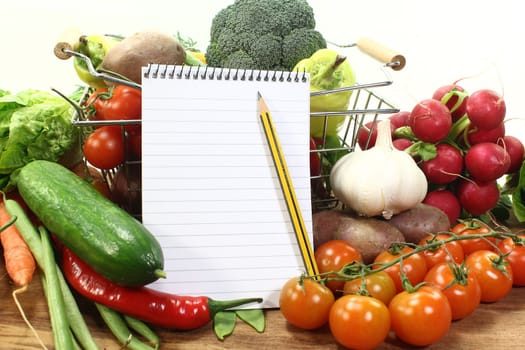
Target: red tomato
459	285
332	256
104	148
118	103
516	257
95	104
493	273
305	303
378	284
451	251
474	227
123	103
359	322
421	317
414	266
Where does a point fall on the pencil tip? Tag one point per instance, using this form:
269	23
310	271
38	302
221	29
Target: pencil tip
259	94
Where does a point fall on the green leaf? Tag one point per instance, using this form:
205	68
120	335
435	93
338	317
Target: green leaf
427	151
518	197
224	323
253	317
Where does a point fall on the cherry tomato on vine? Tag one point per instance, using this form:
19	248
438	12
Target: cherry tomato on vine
451	251
460	286
420	317
493	272
104	148
474	227
414	266
305	303
378	284
359	322
516	257
332	256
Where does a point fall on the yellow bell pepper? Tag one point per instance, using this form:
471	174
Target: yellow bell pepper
328	70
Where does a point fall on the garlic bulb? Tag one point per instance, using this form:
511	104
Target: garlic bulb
379	181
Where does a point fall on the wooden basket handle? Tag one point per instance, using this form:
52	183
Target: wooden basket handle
393	59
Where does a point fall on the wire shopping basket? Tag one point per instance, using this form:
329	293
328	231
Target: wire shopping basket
364	106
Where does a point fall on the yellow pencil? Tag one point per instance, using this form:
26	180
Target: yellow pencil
287	188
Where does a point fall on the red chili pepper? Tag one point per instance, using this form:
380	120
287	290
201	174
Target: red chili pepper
151	306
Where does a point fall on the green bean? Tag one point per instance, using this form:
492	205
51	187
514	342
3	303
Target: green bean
142	329
76	320
120	329
57	308
31	236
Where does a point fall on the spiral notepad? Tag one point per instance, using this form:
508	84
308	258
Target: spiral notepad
211	193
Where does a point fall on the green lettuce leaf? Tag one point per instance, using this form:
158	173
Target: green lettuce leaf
34	124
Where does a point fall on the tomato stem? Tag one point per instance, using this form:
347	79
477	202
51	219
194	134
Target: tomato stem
355	270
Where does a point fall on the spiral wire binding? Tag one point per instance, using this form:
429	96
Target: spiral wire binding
164	71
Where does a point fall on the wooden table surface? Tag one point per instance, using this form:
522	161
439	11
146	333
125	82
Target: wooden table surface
499	325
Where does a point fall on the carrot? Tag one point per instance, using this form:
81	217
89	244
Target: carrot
19	261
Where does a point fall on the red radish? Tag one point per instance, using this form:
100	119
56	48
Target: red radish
446	201
486	109
402	144
487	161
366	136
477	197
430	120
516	151
454	97
399	119
315	160
445	167
476	135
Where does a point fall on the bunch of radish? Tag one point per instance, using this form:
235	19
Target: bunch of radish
458	140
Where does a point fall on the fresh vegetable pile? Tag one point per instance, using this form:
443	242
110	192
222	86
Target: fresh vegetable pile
415	244
419	240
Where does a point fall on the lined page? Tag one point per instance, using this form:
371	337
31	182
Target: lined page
211	193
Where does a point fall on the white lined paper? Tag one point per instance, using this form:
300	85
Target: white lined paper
210	192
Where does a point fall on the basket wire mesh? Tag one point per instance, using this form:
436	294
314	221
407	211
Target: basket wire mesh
364	106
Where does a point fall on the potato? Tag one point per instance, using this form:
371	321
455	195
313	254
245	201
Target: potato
325	224
419	221
137	50
368	235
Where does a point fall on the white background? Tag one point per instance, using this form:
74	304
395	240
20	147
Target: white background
443	41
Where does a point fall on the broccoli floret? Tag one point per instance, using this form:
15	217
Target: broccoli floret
301	43
270	34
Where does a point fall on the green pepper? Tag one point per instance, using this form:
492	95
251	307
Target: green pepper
328	70
95	47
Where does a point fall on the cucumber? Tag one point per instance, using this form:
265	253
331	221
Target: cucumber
98	231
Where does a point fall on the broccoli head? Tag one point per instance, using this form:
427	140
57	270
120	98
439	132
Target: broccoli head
270	34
